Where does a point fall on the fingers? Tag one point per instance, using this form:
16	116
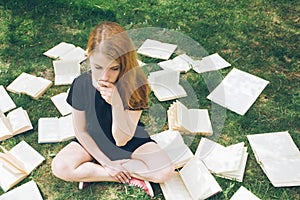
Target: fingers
123	177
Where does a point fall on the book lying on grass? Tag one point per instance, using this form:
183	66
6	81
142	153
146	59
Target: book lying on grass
278	156
156	49
53	129
193	182
60	102
227	162
173	144
65	71
27	191
30	85
15	122
212	62
181	63
6	103
243	193
165	85
17	163
238	91
66	51
196	121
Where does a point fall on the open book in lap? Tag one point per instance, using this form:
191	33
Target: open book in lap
173	144
30	85
196	121
156	49
53	129
278	156
27	191
17	121
17	163
165	85
6	103
193	182
65	71
66	51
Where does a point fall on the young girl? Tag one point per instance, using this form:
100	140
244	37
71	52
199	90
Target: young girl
107	102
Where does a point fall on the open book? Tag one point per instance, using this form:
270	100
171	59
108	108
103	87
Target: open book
53	129
60	102
278	156
227	162
30	85
181	63
192	182
173	144
165	85
212	62
6	103
65	71
238	91
27	191
17	163
189	120
243	193
66	51
156	49
17	121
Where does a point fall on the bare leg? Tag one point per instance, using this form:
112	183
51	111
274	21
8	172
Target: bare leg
150	162
73	163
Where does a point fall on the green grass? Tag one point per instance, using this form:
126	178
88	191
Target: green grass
260	37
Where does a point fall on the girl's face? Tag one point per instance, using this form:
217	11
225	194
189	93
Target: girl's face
103	68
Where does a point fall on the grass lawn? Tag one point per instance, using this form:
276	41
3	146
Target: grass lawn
260	37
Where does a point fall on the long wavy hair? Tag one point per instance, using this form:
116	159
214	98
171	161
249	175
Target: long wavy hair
112	40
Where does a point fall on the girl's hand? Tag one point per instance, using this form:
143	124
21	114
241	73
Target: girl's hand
116	170
106	90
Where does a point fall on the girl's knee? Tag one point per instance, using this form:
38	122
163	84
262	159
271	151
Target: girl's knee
164	174
60	169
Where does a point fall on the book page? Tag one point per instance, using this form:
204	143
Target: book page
175	189
27	191
48	130
243	193
6	103
164	78
200	121
66	128
5	127
211	63
164	93
27	155
198	180
65	71
273	146
30	85
77	54
60	102
19	121
181	63
59	50
156	49
238	91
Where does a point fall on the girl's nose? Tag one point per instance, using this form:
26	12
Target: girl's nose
105	75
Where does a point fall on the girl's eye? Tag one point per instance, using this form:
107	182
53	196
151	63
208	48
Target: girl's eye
98	67
115	68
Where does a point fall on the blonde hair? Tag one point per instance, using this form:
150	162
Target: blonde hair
112	40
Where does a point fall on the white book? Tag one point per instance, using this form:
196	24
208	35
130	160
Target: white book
173	144
15	122
156	49
60	102
17	163
181	63
227	162
212	62
243	194
165	85
195	121
53	129
278	156
6	103
27	191
66	51
192	182
29	85
238	91
65	71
